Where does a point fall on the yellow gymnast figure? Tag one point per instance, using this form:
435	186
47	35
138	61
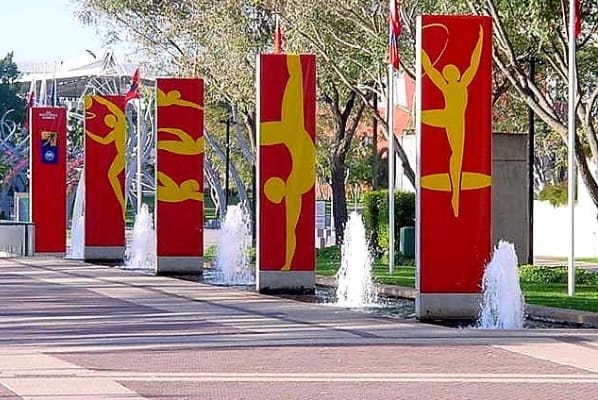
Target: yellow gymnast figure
454	88
170	192
115	120
290	131
185	145
173	98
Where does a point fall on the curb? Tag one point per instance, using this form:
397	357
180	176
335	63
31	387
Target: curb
585	319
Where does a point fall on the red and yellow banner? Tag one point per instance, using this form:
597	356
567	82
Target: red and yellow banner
286	162
455	152
105	160
179	167
48	178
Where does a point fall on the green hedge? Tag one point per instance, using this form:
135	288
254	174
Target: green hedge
548	274
375	216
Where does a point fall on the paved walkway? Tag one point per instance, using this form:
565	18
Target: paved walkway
563	261
70	330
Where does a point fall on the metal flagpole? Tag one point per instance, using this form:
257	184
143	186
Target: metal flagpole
391	172
139	188
393	20
571	171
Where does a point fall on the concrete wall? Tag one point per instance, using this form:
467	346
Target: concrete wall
510	192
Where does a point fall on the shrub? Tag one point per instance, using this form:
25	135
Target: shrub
375	216
546	274
210	253
332	253
556	195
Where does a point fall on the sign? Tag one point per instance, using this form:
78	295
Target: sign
286	162
454	117
105	157
179	173
48	178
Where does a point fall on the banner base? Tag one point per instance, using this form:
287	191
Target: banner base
104	253
179	265
50	253
301	282
447	305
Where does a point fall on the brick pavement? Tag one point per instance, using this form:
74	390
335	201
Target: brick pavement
69	330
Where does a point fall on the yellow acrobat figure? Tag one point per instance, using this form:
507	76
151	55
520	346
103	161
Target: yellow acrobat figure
290	131
173	98
186	145
454	88
116	121
169	191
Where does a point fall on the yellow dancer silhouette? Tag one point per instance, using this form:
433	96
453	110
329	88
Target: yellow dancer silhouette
186	145
116	121
290	131
169	191
173	98
454	88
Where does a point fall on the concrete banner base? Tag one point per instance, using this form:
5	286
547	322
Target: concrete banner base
447	305
51	254
179	265
104	253
302	282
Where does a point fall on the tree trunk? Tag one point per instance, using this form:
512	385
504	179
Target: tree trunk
339	202
584	171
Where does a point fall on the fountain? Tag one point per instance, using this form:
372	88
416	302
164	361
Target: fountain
141	251
78	222
232	260
354	278
502	305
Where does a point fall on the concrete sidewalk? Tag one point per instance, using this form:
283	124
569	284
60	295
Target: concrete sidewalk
563	261
71	330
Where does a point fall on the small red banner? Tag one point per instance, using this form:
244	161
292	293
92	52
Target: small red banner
105	158
455	152
179	167
48	178
286	162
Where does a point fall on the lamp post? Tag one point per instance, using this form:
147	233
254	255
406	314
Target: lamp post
228	123
375	145
530	170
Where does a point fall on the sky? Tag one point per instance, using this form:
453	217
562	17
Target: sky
43	31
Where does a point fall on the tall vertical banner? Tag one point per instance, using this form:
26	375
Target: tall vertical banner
286	172
48	178
454	126
179	175
105	160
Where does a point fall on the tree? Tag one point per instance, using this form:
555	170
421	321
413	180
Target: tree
9	88
544	36
196	38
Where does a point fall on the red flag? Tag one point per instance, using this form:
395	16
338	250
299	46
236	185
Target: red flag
278	38
133	92
395	31
577	18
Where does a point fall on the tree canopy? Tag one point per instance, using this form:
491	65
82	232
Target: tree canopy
9	89
220	41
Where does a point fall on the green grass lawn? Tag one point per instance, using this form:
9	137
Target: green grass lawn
541	293
555	295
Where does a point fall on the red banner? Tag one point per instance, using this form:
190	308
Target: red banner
48	178
179	167
455	152
105	159
286	162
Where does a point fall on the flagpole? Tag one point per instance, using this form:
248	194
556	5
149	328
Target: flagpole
571	172
391	171
139	156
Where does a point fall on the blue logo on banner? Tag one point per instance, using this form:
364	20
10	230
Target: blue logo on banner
49	147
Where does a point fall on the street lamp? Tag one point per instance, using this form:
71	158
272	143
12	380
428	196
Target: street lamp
228	123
